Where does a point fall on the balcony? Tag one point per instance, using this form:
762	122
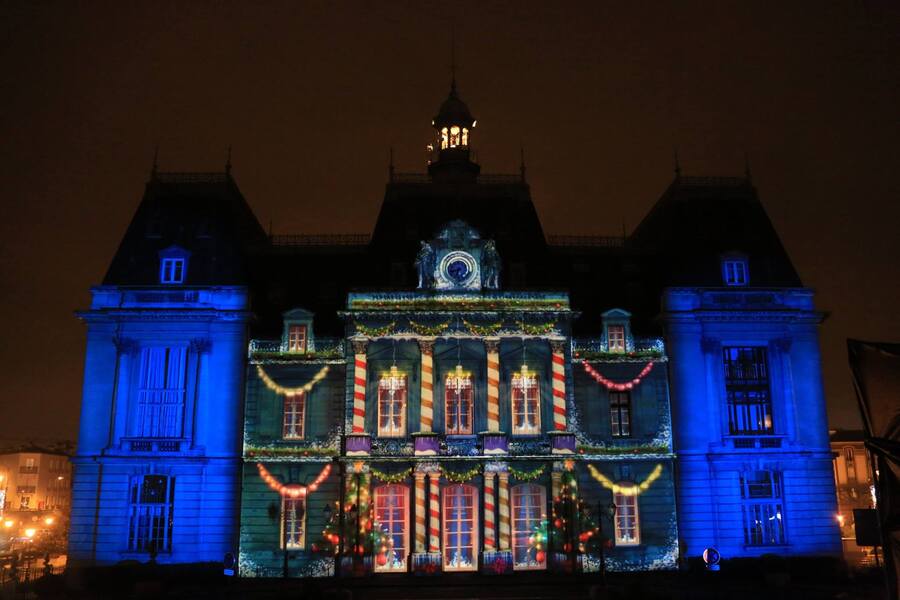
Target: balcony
764	442
28	470
154	446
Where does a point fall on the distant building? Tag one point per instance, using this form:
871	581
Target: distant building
35	492
854	482
457	391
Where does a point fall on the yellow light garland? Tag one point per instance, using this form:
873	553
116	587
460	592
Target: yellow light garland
286	391
626	490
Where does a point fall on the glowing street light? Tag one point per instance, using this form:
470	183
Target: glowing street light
8	523
29	533
49	520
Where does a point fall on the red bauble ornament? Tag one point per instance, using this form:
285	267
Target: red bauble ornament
557	523
540	556
381	559
315	547
567	547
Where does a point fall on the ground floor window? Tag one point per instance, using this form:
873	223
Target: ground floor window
460	528
628	525
762	508
528	520
151	513
293	522
391	512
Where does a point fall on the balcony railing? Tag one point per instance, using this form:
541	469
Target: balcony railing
28	470
318	346
154	445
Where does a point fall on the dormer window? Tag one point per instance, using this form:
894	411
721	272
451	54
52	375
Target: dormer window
735	271
617	331
297	335
173	265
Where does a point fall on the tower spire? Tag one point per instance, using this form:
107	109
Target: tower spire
453	57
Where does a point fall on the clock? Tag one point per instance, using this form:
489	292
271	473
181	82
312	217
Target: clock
459	269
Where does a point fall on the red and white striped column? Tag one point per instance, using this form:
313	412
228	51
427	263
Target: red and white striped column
504	510
490	532
434	513
559	385
426	421
359	386
492	347
420	512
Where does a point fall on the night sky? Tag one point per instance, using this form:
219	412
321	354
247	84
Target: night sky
312	95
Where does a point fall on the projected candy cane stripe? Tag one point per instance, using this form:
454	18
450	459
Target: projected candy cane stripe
420	512
427	418
504	511
559	388
434	538
489	531
359	389
493	385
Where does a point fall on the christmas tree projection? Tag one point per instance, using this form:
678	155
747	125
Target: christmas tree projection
329	543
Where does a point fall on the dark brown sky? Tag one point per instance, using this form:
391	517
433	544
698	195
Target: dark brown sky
312	95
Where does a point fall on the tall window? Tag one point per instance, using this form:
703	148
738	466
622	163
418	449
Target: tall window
171	270
762	508
747	391
526	403
161	392
849	464
392	404
293	523
460	528
151	513
620	413
391	513
294	413
735	272
615	338
458	403
628	524
528	502
297	338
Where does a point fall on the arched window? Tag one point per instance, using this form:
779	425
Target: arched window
528	526
526	403
444	138
460	528
454	136
458	403
628	524
391	516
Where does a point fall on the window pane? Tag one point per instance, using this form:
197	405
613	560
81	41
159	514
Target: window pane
528	520
460	528
747	390
627	520
161	393
526	415
294	409
391	509
392	405
458	403
297	338
151	514
293	526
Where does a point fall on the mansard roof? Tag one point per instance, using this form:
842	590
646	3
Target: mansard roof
203	213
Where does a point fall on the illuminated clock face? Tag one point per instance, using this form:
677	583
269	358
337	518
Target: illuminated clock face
459	269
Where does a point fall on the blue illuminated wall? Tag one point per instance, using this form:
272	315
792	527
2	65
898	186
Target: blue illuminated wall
200	453
711	461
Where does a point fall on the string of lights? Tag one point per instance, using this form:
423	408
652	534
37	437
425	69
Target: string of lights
291	391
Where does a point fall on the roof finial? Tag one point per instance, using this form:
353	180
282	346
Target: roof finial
747	173
228	161
522	160
155	162
677	163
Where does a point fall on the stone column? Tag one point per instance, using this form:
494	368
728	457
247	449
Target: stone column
426	348
504	510
359	386
490	539
420	512
559	385
434	513
492	348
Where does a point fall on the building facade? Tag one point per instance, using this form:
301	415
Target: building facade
457	391
855	490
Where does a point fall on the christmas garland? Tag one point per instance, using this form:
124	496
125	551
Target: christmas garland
527	475
634	489
291	391
483	330
429	330
292	490
612	385
459	303
391	477
537	329
462	477
374	332
264	452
